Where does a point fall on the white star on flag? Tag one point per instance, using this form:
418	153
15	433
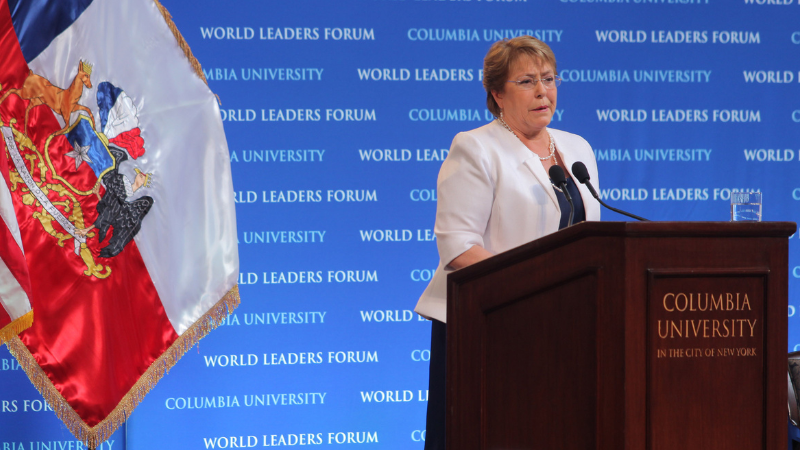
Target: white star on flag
80	154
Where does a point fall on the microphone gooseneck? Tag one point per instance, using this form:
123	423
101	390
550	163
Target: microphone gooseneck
580	172
559	180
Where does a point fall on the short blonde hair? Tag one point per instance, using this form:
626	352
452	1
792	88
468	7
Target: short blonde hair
502	55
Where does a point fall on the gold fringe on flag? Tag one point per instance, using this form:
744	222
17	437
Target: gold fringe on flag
16	327
92	437
198	69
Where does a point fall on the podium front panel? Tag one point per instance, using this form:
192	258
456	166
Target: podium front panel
535	347
706	352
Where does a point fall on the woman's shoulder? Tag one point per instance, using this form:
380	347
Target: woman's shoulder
574	146
484	139
568	138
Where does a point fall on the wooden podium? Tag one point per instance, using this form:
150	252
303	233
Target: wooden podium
623	335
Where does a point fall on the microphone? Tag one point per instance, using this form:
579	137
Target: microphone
580	172
559	180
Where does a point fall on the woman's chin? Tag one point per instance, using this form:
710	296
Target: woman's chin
540	122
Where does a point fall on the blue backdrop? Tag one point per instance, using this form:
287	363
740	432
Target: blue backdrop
338	115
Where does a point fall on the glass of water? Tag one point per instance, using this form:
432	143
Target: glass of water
745	206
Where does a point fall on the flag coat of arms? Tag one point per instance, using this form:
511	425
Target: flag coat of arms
119	174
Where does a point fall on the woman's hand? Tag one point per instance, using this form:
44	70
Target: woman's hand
475	254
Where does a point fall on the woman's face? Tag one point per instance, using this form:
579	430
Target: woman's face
527	111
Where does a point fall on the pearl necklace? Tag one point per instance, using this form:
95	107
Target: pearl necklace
552	143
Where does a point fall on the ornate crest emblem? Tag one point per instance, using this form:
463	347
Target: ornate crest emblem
74	180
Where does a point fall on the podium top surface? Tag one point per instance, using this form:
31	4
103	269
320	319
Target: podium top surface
629	230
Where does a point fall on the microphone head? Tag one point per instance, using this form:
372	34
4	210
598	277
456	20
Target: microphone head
557	176
580	172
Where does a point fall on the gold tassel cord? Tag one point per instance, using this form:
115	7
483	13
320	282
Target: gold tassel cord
198	69
92	437
16	327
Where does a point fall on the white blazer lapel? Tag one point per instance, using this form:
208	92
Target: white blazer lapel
542	177
569	158
525	156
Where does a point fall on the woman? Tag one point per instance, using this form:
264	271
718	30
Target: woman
494	192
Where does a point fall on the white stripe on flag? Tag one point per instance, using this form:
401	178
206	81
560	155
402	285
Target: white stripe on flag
12	296
7	212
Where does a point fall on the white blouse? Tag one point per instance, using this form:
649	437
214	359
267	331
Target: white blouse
494	192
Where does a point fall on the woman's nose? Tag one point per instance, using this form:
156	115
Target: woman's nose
540	90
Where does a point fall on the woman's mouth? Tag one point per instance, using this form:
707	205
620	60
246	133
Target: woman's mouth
541	108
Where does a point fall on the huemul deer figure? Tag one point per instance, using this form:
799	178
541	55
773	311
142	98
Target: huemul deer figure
39	91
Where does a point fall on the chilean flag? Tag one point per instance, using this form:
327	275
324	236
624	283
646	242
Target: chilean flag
119	175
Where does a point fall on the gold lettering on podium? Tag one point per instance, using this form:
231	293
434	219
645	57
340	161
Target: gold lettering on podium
706	328
683	302
706	352
679	322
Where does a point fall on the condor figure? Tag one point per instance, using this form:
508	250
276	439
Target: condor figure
114	209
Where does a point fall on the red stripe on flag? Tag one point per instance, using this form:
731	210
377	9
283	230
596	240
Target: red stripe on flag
13	258
4	167
10	252
5	319
11	255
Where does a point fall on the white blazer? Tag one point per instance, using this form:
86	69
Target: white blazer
494	192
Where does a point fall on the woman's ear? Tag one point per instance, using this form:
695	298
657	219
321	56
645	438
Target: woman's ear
498	97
